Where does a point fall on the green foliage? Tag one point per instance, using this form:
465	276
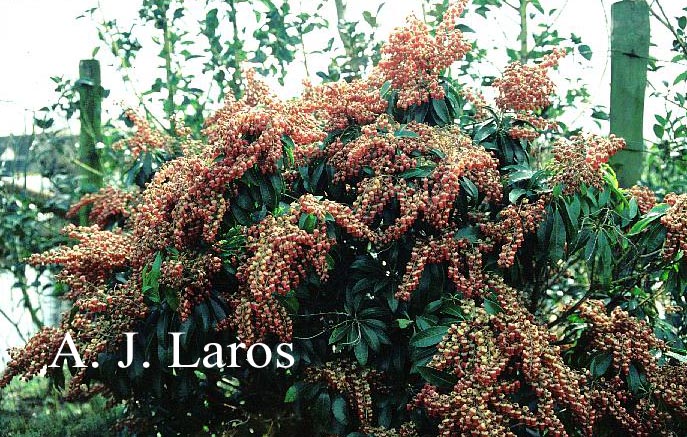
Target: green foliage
666	157
31	409
25	229
266	34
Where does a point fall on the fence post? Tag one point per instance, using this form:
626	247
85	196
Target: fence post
90	97
630	37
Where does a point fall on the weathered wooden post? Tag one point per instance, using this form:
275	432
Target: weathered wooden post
90	97
629	56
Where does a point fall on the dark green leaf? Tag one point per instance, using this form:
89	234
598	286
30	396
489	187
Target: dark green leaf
485	131
658	131
365	264
515	195
291	394
634	381
585	51
419	172
370	337
244	201
322	407
681	358
600	115
521	175
558	238
651	216
289	147
371	20
453	311
340	410
429	337
402	133
43	123
240	215
162	328
441	111
537	5
605	258
403	323
267	193
316	175
469	187
307	222
203	312
492	307
682	77
361	352
467	233
574	209
600	363
385	88
437	377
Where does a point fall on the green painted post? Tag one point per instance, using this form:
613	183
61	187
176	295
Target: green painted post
629	55
90	98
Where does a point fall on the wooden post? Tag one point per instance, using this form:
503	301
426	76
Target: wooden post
629	56
524	51
90	97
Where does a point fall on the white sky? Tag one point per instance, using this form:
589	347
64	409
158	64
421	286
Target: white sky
42	38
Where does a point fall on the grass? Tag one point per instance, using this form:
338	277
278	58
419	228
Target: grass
33	409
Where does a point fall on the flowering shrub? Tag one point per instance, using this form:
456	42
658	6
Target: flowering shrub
431	279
